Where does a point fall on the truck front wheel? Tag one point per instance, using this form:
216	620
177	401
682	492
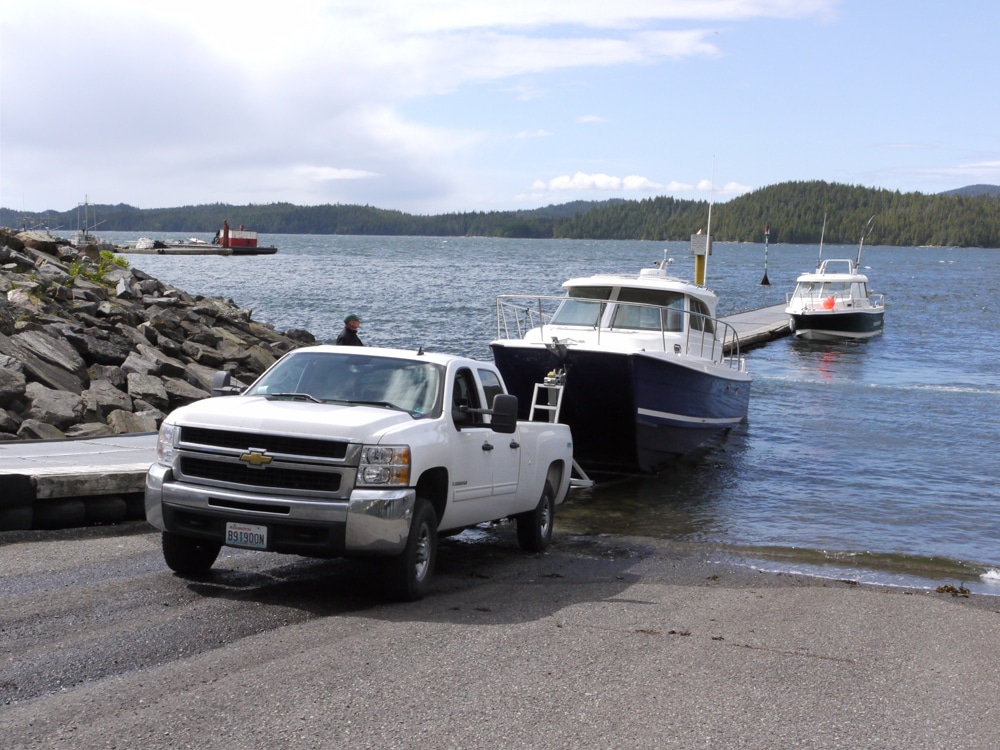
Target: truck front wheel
534	528
188	556
407	577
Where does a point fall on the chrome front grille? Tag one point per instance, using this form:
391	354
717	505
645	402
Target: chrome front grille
291	446
272	478
260	463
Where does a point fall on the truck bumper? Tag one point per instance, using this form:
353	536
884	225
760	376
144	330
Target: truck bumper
369	522
378	521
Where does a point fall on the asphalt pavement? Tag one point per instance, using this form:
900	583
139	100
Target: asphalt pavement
600	642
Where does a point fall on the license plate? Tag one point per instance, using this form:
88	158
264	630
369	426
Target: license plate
246	535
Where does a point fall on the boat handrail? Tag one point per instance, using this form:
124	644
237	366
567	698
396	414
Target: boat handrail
523	312
718	342
814	300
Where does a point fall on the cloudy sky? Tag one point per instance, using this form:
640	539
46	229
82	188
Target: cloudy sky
432	106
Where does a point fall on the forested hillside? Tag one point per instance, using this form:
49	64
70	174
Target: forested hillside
793	210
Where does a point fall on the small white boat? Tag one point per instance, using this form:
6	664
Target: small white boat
84	235
833	302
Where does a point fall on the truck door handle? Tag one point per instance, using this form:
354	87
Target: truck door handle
487	446
514	445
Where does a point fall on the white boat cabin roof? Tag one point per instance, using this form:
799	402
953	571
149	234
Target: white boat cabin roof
651	279
825	273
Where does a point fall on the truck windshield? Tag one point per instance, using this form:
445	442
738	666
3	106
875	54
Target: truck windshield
360	379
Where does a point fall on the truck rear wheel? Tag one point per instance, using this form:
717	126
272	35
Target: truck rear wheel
407	577
188	556
534	528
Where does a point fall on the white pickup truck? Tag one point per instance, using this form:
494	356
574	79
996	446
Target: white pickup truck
342	451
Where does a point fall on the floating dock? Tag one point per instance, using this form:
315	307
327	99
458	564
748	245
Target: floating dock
205	249
757	327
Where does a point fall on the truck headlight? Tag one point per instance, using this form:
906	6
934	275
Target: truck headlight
165	444
385	465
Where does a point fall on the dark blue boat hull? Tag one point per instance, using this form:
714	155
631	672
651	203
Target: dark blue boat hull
628	412
849	325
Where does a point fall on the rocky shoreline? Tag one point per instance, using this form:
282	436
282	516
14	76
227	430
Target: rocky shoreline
90	347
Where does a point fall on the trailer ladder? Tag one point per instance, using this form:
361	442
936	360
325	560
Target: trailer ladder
553	387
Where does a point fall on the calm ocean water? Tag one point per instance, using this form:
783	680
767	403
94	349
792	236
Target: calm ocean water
874	461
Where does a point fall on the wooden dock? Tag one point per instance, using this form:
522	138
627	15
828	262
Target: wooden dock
757	327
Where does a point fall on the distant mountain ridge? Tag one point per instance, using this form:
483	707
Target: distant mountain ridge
794	211
974	190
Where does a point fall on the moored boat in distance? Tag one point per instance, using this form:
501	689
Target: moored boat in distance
637	364
84	236
833	302
227	241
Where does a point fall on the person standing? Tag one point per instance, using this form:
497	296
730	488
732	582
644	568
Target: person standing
349	336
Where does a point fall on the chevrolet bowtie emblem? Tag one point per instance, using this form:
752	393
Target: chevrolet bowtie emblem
256	459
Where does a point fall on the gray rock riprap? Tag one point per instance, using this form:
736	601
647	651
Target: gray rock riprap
90	348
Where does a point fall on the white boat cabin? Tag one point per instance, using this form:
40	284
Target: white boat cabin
832	289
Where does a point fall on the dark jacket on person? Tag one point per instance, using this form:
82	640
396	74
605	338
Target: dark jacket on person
348	337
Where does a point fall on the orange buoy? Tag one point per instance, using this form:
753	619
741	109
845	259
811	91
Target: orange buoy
828	303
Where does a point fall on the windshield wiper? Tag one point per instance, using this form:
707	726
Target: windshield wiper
386	404
294	397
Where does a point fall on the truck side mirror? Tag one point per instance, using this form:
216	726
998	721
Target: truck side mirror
504	413
222	384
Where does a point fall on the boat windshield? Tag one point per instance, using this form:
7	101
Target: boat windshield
355	378
828	289
578	312
649	310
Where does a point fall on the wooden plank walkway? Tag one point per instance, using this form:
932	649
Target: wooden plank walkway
757	327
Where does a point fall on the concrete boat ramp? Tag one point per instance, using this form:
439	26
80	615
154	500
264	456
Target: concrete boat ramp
49	484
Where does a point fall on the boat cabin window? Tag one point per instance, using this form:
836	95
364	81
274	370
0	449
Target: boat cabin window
650	309
806	288
590	292
835	289
698	322
578	312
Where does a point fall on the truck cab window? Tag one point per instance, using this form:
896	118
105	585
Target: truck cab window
465	394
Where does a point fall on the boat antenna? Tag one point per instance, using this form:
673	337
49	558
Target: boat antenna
822	233
767	235
864	233
711	198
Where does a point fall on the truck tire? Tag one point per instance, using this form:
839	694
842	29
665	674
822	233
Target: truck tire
407	577
188	556
534	528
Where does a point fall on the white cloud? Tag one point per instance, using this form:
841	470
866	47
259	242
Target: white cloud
324	174
984	171
728	190
581	182
321	100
